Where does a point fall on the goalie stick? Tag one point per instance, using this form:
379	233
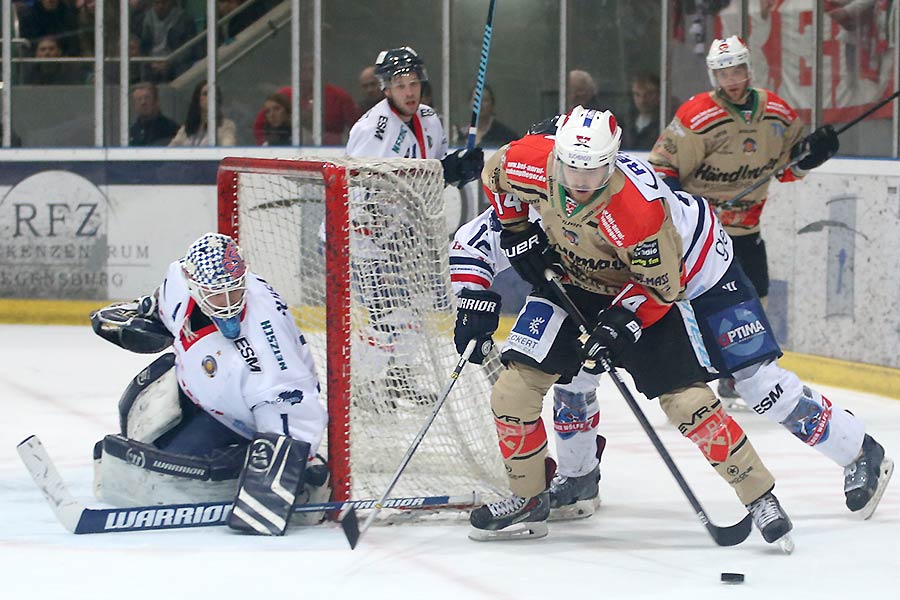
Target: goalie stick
79	519
797	159
723	536
349	521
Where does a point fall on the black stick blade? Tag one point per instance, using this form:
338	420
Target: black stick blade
350	525
733	535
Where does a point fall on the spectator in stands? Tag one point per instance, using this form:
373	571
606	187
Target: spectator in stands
341	112
642	127
277	130
581	90
194	132
166	28
371	89
52	73
151	128
491	133
51	17
251	11
85	11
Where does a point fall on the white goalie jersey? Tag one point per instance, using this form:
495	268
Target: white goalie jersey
262	382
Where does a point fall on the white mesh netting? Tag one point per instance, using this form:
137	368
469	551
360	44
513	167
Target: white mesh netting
399	344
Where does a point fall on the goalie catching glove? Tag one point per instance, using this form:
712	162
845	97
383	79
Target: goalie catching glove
477	318
820	145
134	326
530	254
616	330
462	166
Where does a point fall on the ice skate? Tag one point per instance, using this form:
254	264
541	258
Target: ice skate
574	497
772	522
866	478
731	400
511	518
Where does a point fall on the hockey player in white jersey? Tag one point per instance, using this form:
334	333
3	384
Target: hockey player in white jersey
232	413
475	259
398	127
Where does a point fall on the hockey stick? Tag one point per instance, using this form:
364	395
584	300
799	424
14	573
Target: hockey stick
78	519
797	159
350	522
723	536
482	74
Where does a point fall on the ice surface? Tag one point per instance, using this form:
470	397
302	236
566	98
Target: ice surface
62	383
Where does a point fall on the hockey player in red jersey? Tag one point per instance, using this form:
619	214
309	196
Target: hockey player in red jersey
655	267
723	141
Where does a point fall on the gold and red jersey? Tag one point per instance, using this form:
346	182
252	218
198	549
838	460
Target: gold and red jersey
716	152
636	240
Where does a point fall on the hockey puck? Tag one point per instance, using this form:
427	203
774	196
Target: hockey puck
732	578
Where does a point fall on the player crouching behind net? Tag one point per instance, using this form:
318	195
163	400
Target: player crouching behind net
233	413
632	251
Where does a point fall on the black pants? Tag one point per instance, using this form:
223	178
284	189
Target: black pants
750	252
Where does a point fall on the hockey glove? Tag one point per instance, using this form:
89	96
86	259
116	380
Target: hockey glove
617	329
126	326
462	166
821	145
530	254
477	318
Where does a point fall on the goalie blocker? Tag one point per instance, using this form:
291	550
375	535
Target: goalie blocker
272	476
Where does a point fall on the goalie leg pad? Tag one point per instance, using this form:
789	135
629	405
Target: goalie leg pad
149	406
272	477
132	473
699	416
516	400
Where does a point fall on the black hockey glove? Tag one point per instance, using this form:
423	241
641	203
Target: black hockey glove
477	318
134	326
462	166
821	145
617	329
530	254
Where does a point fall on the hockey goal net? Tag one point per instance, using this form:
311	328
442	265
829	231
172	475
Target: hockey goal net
358	249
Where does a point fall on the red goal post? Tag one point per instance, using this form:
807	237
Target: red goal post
358	250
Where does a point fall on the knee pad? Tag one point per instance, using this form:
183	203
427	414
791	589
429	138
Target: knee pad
150	406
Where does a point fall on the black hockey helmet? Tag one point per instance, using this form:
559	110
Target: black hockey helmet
398	61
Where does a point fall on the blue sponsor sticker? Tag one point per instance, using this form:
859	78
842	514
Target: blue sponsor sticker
533	320
742	334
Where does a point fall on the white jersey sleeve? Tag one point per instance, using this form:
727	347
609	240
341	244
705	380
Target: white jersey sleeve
475	253
262	382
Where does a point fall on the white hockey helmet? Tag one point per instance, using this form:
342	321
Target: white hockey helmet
587	142
216	274
729	52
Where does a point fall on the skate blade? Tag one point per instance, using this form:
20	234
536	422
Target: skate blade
887	469
516	531
786	543
582	509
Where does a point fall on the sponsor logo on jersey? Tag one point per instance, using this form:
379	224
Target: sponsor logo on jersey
749	146
710	173
778	130
586	262
770	400
292	397
656	282
248	354
157	518
742	333
381	127
646	254
609	225
526	171
731	286
280	305
571	236
426	112
209	366
399	141
273	343
533	321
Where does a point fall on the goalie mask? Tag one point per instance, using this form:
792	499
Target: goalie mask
727	53
396	62
587	142
216	278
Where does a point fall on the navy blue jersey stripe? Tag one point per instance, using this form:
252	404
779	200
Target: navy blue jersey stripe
473	262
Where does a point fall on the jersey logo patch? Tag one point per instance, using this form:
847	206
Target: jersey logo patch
292	397
209	365
646	254
248	354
